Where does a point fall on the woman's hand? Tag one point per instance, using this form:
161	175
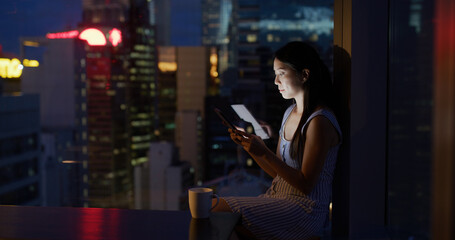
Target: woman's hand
256	148
253	144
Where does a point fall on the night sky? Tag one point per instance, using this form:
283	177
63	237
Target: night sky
31	18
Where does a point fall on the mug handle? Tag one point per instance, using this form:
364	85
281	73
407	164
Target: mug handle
217	201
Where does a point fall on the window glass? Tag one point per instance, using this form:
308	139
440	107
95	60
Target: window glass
85	127
410	118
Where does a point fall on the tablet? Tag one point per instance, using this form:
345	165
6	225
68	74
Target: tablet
246	115
224	118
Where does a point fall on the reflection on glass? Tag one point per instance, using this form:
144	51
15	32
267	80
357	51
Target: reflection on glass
410	118
84	138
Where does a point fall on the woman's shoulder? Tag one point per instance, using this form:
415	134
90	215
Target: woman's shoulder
328	118
323	110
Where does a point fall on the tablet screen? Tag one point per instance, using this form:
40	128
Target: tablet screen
245	114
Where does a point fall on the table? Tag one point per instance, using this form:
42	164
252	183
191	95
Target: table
20	222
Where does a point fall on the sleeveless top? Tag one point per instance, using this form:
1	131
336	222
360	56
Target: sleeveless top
320	196
284	212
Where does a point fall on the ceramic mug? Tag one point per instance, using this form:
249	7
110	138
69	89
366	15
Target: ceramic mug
200	201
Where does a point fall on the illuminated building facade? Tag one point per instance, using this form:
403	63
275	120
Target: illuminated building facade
120	99
217	17
108	147
248	17
20	173
167	93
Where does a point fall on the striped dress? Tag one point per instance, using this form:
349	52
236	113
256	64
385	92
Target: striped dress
284	212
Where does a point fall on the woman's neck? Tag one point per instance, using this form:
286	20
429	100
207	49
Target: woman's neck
299	101
299	107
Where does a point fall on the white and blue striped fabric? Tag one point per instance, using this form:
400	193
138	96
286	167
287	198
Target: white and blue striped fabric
284	212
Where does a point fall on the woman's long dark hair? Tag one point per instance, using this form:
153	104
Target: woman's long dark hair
317	88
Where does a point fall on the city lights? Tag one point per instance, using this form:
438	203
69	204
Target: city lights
31	44
93	36
115	37
30	63
214	63
10	68
167	66
63	35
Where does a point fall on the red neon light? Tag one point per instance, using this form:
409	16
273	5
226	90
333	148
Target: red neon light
115	37
69	34
93	36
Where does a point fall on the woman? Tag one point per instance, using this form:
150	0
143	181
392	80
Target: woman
296	205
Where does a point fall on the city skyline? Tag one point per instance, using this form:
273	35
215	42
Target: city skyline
24	18
102	74
249	43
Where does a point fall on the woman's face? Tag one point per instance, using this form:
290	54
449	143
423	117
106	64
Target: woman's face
289	85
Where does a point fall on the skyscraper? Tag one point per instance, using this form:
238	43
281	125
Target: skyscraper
161	183
120	98
192	86
63	116
167	93
217	20
162	17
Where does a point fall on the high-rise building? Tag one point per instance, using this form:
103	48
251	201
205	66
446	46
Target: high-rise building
193	85
167	93
187	75
120	98
161	182
63	117
162	17
20	152
248	17
216	15
217	19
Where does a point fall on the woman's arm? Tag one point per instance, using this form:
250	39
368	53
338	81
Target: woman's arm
239	137
320	136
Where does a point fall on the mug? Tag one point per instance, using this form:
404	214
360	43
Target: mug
200	201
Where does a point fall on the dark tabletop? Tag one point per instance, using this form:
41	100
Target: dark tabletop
19	222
